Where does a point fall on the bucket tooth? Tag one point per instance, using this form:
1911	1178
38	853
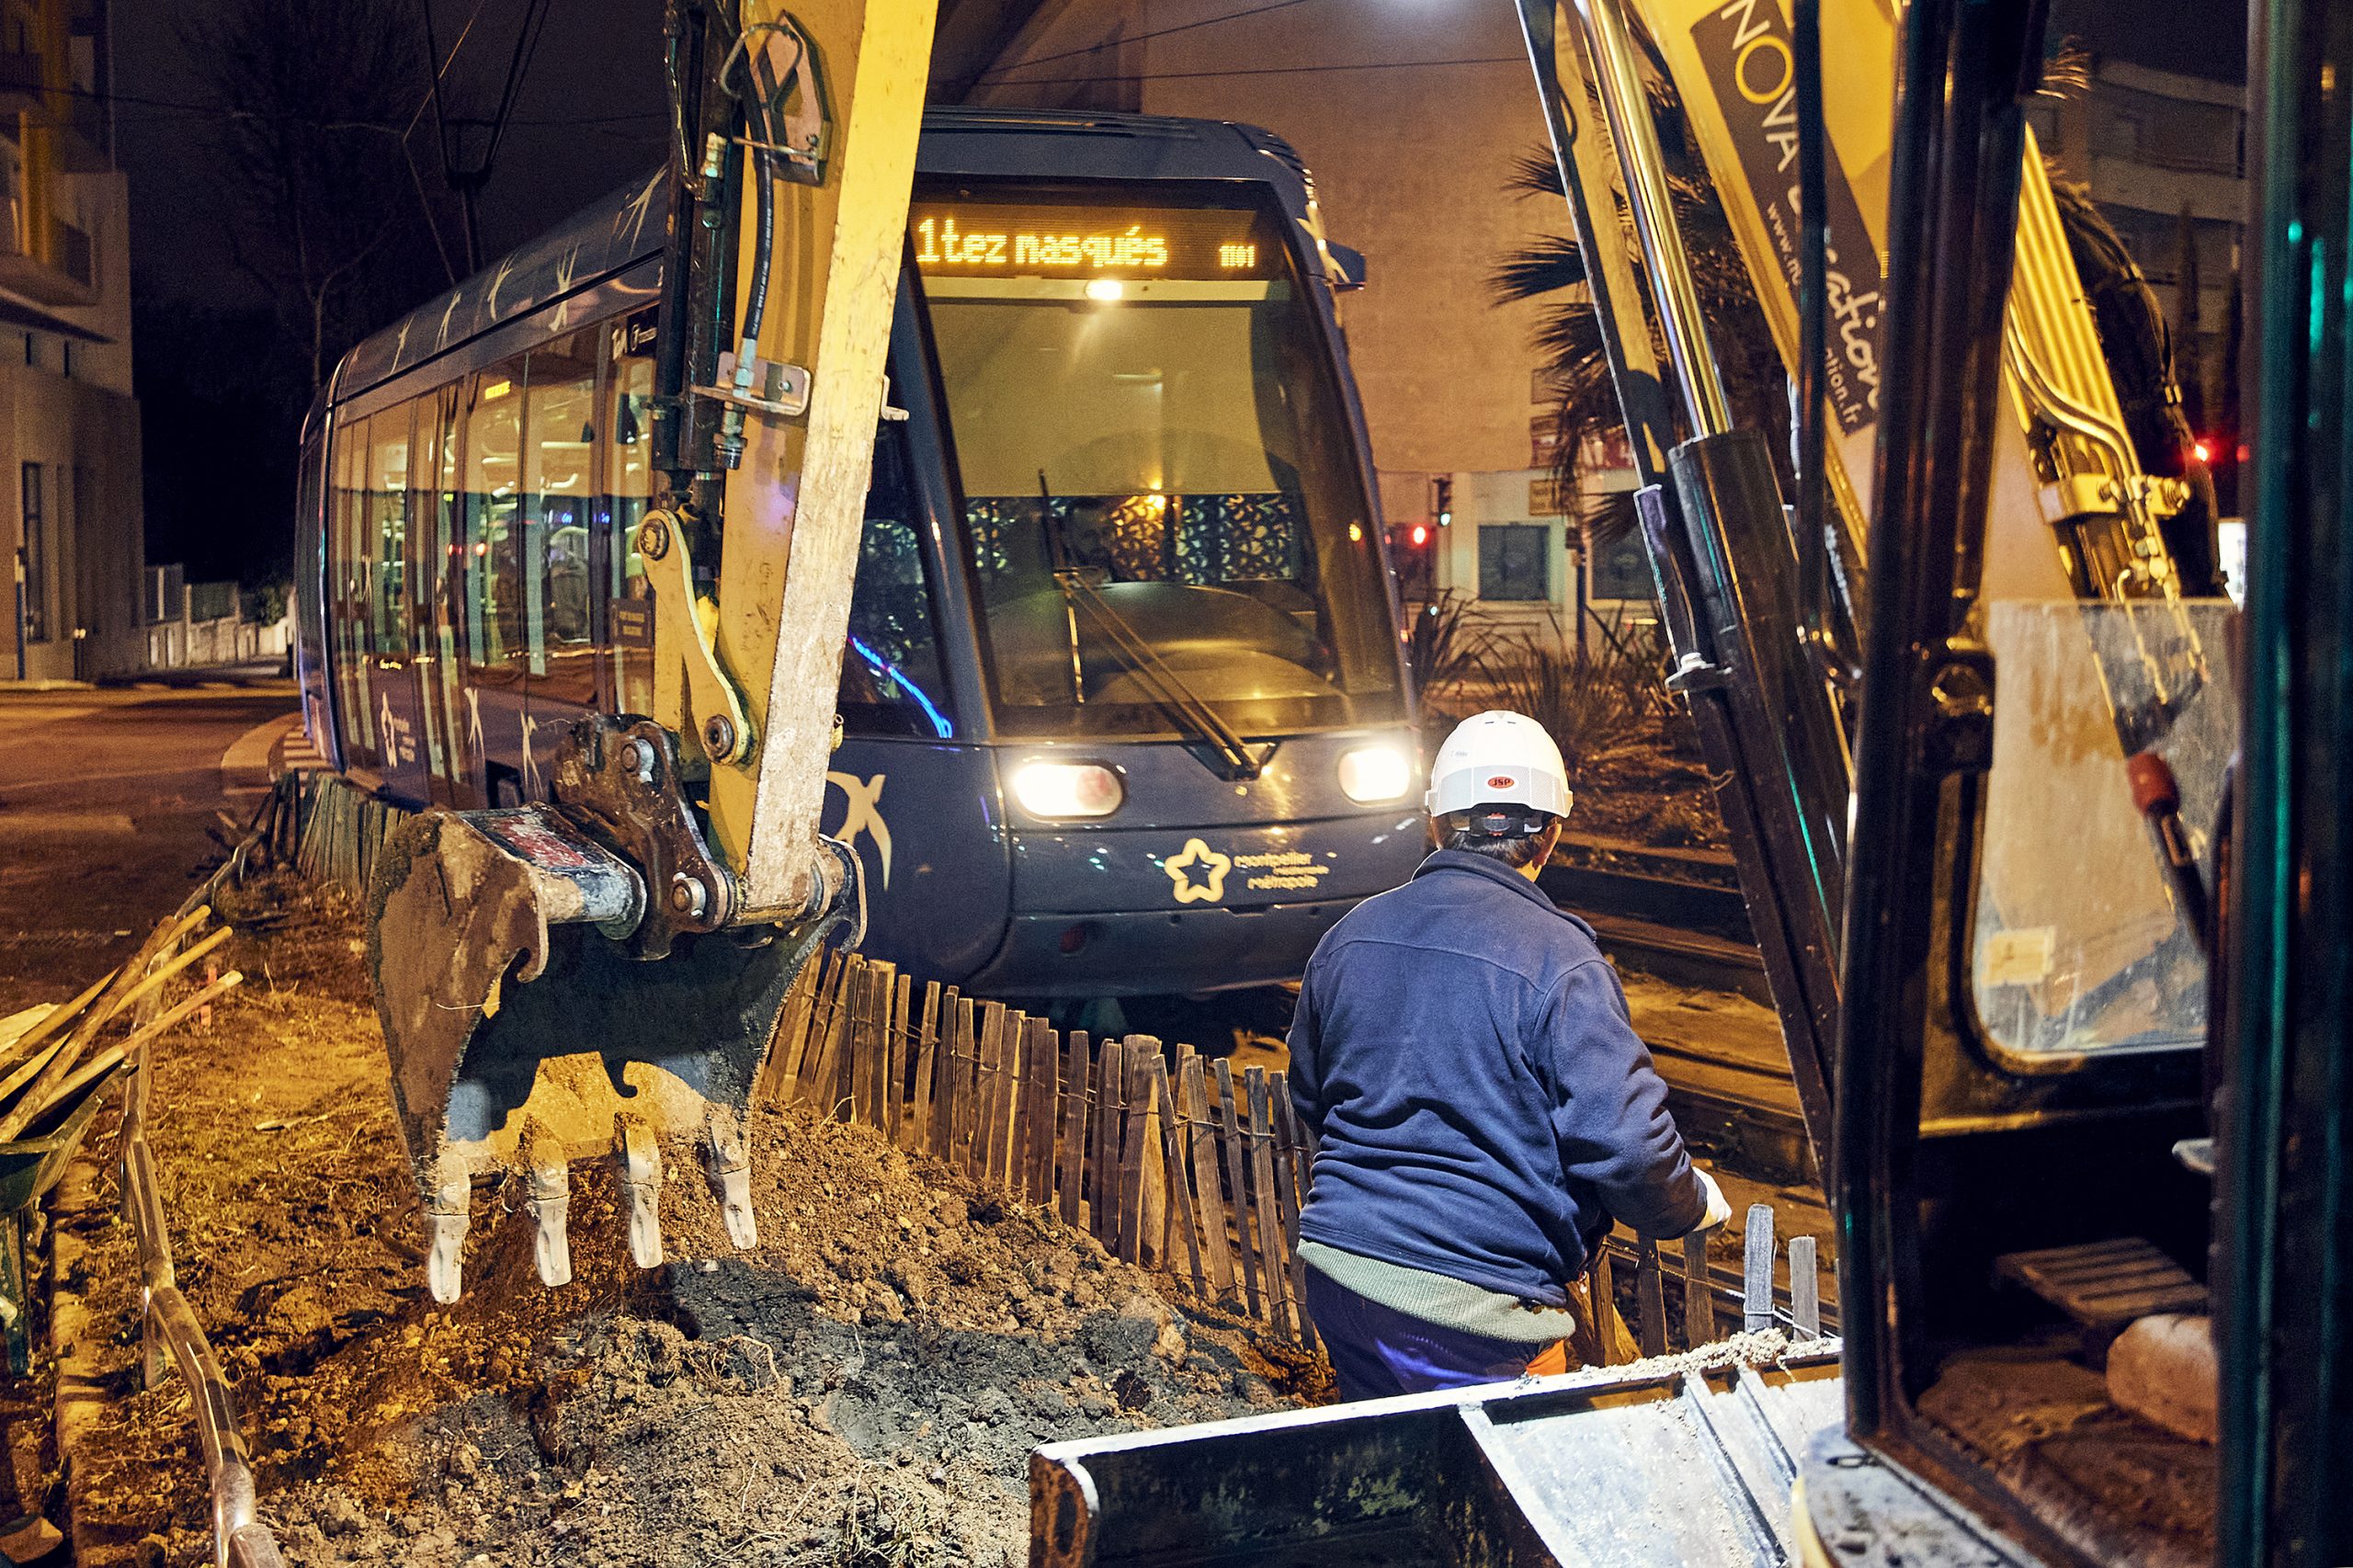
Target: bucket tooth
730	1172
449	1197
551	1205
640	1159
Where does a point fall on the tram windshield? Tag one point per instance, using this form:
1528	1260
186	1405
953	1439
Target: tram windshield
1162	507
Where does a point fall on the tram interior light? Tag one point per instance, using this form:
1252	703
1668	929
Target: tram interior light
1062	790
1371	775
1106	290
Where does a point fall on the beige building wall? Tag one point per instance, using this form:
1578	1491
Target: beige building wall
66	409
1411	115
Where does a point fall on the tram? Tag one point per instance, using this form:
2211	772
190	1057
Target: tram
1124	705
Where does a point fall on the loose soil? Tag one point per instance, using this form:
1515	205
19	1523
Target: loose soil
862	1388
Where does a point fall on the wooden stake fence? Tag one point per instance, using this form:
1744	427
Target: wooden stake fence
1165	1159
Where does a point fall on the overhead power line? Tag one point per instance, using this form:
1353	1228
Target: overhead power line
987	76
1259	71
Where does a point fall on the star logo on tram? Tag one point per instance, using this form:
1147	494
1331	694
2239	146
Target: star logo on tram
1213	867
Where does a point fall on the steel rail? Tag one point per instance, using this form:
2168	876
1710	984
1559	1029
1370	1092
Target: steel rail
239	1540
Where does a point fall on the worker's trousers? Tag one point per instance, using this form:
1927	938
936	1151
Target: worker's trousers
1377	1351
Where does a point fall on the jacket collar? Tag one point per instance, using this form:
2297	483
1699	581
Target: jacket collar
1501	875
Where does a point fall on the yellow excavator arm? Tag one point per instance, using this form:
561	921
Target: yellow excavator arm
598	973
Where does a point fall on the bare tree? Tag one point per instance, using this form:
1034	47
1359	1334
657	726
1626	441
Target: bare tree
323	207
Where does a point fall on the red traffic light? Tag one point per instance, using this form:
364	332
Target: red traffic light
1421	535
2203	450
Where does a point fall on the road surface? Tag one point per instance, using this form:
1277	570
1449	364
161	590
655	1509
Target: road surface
105	800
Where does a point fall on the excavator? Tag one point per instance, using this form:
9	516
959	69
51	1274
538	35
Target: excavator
2047	910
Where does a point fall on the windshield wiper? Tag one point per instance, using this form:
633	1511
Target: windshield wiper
1181	701
1241	764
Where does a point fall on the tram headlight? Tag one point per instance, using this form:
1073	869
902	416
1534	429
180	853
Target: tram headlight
1058	789
1371	775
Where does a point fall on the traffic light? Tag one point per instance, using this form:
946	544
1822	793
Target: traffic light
1442	501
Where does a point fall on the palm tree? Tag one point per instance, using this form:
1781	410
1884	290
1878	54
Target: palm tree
1568	335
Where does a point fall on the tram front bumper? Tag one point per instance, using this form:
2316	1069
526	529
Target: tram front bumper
1156	952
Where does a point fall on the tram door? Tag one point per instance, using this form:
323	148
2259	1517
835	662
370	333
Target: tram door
558	498
438	575
397	700
491	724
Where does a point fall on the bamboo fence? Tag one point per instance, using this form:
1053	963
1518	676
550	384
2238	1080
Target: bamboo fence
1172	1161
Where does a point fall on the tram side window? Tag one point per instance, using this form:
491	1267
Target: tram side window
386	524
891	683
492	519
347	555
560	434
628	456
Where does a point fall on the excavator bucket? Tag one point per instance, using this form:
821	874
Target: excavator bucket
540	1007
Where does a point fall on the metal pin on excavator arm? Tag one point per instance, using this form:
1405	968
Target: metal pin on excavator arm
597	975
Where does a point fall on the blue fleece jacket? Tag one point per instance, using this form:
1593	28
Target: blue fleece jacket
1483	1109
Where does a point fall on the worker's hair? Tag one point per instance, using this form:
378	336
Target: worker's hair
1464	830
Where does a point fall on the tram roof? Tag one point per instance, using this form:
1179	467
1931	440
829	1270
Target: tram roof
632	224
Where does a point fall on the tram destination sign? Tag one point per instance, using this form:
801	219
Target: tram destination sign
971	239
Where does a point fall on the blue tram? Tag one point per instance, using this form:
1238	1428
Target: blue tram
1124	704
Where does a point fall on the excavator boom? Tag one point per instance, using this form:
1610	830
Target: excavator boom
599	973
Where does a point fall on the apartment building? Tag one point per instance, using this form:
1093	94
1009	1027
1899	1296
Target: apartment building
70	510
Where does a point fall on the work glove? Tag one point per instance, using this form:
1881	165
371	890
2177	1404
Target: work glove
1719	1206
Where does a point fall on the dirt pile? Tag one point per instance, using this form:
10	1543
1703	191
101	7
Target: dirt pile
861	1388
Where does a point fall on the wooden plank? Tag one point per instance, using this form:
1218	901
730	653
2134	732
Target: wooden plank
1757	1269
1229	1137
1262	1178
1602	1291
1805	1289
927	1080
1152	1247
1209	1199
1046	1068
1650	1296
1698	1292
894	1075
961	1044
823	1087
1136	1244
1010	1084
784	1045
1110	1094
881	990
988	1125
1021	1109
862	1045
816	1015
964	1076
1070	1159
1172	1154
1290	1196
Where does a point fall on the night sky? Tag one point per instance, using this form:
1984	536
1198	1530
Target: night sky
588	119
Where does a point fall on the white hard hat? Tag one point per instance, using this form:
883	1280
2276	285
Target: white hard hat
1505	759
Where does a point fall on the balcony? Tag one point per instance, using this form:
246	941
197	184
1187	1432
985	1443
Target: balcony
67	275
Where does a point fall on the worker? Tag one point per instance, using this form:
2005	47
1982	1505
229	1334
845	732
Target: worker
1483	1108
